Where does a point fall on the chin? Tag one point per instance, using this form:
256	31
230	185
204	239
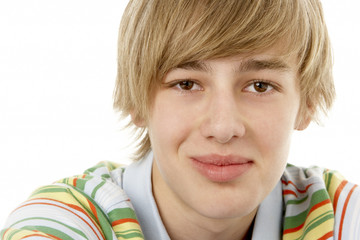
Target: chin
224	208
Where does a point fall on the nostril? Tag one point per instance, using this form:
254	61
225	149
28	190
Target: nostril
224	133
223	120
224	140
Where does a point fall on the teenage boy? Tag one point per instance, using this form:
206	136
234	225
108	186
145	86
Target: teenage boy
215	90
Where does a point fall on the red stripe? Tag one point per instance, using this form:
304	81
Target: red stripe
124	220
344	211
291	230
69	205
288	192
316	206
337	193
327	236
297	189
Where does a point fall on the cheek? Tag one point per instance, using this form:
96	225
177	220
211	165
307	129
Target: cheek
170	123
272	130
271	137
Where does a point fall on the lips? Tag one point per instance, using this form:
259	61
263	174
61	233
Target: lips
218	168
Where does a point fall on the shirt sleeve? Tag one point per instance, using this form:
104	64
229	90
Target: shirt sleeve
88	206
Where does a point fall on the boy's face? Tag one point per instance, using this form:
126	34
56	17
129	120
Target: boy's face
220	132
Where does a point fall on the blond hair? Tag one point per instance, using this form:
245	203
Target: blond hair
158	35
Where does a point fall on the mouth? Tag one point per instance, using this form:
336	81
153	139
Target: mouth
218	168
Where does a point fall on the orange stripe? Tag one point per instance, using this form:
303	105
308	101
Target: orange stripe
327	236
39	235
287	192
66	210
124	220
93	209
344	211
70	206
337	193
74	181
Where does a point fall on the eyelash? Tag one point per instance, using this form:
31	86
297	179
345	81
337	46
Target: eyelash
176	84
271	84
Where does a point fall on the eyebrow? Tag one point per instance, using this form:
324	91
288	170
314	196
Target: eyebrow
196	66
266	64
245	66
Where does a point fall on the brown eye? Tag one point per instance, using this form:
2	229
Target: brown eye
186	85
261	87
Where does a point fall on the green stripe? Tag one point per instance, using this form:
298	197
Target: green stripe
128	231
137	234
80	183
121	213
328	181
50	189
97	188
105	175
325	176
94	168
49	230
297	201
52	220
297	220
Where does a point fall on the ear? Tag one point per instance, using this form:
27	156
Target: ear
304	118
302	123
137	120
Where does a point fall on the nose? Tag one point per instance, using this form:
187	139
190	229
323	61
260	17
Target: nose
223	121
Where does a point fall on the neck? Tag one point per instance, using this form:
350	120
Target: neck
183	222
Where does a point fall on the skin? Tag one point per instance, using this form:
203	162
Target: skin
218	107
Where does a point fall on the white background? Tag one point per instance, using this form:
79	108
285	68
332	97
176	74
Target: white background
57	72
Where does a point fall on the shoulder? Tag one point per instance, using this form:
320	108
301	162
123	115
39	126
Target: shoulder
338	189
321	201
92	205
345	197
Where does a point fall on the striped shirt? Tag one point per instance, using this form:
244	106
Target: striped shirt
313	203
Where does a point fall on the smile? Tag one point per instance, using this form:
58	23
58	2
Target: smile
219	168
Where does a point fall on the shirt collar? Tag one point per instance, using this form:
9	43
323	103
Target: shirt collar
137	185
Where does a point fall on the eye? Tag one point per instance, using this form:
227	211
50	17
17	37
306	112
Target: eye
259	87
188	85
